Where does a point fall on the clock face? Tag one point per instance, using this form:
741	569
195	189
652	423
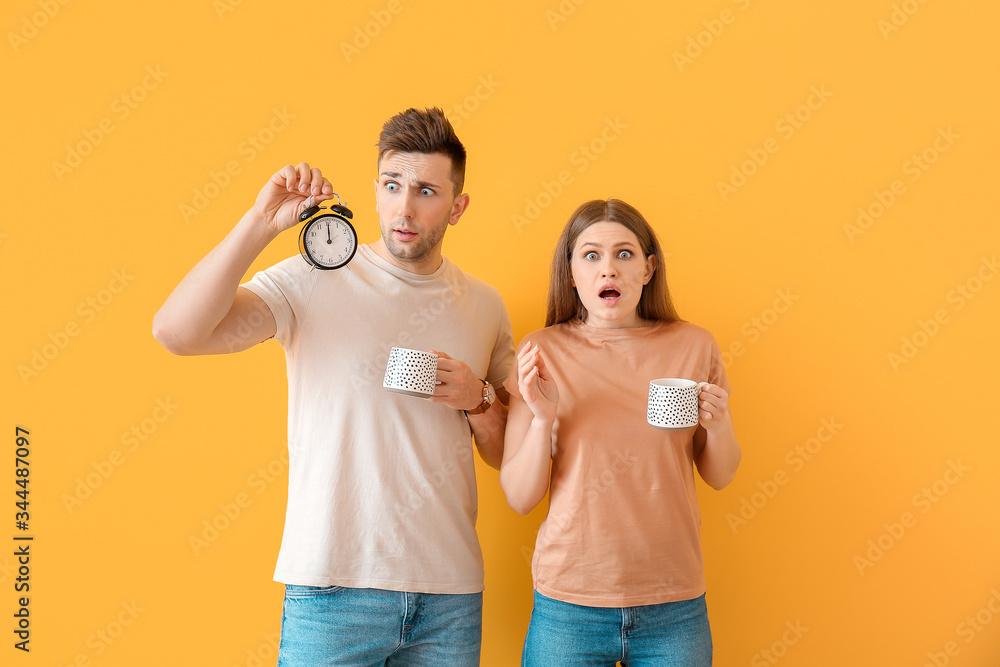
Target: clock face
328	242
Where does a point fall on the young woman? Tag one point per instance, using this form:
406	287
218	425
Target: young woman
617	567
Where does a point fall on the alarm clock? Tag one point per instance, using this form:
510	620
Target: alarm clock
327	241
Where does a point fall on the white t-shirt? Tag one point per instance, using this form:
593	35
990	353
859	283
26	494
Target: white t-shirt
381	486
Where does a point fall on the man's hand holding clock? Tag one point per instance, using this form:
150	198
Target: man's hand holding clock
283	198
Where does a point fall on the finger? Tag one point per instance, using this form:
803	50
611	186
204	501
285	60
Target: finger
715	390
711	403
441	355
527	385
303	177
445	364
707	388
316	181
286	177
528	360
527	366
524	371
543	370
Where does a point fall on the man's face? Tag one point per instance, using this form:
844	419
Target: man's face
415	200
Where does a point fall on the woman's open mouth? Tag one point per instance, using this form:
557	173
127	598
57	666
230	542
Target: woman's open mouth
610	295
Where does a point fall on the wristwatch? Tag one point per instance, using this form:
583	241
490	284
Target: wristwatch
489	396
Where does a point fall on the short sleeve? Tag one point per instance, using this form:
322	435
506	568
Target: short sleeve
717	370
284	288
502	356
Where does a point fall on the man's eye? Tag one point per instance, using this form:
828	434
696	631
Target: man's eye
391	187
427	192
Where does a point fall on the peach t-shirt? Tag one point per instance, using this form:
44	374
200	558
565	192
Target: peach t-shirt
623	523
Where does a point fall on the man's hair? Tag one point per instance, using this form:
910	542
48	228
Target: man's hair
564	301
424	131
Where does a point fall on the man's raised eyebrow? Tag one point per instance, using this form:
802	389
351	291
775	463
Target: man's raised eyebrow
421	184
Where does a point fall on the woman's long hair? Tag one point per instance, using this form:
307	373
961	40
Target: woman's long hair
564	301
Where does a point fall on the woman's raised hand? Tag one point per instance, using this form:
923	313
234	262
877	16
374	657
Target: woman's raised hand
536	384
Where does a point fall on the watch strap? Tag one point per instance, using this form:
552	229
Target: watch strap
485	405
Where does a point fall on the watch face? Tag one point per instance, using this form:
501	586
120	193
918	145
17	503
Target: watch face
328	242
491	394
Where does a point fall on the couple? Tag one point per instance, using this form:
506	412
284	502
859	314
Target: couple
380	558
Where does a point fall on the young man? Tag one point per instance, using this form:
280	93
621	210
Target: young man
380	556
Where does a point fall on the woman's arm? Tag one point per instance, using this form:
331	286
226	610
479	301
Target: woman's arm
716	452
527	456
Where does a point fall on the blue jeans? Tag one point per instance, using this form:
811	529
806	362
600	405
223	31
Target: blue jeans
672	634
364	627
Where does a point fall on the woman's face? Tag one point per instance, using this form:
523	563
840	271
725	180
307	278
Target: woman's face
609	271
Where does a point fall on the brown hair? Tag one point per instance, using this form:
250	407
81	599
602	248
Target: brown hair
424	131
564	301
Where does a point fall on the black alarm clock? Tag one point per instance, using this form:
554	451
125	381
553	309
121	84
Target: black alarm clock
327	241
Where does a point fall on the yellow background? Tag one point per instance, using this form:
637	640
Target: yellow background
773	267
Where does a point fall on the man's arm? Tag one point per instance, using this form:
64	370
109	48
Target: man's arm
460	389
208	313
489	427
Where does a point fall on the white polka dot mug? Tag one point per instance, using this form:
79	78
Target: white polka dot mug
411	372
673	403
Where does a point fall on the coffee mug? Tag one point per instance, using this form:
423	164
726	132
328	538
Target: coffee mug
673	403
411	372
